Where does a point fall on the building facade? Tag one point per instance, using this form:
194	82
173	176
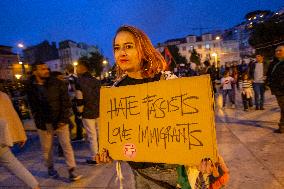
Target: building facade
208	46
54	65
9	63
42	52
70	51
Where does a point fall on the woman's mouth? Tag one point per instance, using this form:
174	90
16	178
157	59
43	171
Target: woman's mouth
123	61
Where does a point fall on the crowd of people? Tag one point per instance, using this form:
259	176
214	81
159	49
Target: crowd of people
57	101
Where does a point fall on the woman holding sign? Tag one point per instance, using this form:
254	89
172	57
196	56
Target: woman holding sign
137	62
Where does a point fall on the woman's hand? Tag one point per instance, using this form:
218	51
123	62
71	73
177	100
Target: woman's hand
206	166
103	157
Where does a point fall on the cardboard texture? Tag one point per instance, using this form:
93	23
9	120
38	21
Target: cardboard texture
164	122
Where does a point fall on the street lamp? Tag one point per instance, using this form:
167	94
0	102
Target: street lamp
217	38
215	58
105	62
18	76
75	63
21	46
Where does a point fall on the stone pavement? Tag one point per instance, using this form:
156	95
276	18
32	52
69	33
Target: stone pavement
252	151
95	176
246	140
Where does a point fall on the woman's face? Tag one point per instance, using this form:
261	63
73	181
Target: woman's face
126	53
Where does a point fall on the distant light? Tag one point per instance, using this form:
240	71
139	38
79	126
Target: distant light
21	45
109	72
105	62
254	17
75	63
21	62
249	18
277	13
261	15
250	23
214	54
18	76
217	38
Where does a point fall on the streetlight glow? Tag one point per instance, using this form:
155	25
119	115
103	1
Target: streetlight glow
215	58
75	63
217	38
20	62
21	45
104	62
18	76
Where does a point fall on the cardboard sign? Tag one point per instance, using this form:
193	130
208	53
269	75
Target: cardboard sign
164	122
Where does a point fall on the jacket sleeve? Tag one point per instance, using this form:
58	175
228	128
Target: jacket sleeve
66	106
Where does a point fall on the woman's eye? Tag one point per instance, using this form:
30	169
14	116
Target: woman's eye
116	48
129	46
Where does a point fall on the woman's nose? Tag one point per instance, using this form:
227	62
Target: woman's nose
122	51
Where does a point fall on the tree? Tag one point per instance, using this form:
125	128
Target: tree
95	62
267	35
194	57
178	58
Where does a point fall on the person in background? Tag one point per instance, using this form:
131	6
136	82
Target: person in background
72	82
276	83
246	91
12	131
50	106
257	72
227	88
88	99
137	62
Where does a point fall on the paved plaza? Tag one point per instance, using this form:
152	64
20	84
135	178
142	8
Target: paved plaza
246	140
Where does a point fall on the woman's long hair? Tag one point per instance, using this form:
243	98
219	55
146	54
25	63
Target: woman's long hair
152	62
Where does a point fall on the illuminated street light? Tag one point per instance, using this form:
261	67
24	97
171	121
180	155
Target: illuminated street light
217	38
21	45
75	63
105	62
18	76
215	58
20	62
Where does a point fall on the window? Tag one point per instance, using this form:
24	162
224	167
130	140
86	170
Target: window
207	46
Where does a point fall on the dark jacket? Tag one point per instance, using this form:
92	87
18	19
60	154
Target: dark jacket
49	103
90	89
275	77
252	69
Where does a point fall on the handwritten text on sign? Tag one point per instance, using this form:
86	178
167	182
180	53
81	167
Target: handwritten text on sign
166	121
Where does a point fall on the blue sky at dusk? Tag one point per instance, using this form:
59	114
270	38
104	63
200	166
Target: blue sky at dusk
95	21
